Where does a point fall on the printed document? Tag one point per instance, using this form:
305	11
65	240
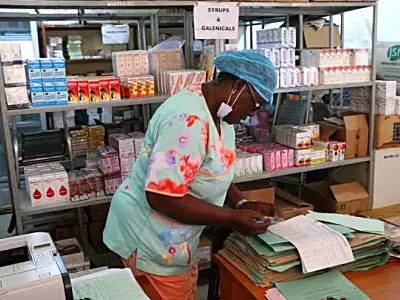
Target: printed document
111	284
319	246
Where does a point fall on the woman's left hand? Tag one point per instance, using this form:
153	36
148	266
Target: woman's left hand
266	209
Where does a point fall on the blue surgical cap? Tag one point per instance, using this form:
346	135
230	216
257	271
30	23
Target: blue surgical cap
252	67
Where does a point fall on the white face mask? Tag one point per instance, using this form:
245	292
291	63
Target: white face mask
225	109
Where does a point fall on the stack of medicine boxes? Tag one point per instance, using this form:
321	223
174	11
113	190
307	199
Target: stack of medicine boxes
47	81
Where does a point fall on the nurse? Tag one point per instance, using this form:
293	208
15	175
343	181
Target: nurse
183	176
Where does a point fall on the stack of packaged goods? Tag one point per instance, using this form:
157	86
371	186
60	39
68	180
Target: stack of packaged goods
47	183
55	47
138	138
386	101
172	81
279	46
74	47
85	184
110	168
274	156
132	67
125	147
338	66
95	138
299	139
269	258
14	76
83	90
79	142
47	81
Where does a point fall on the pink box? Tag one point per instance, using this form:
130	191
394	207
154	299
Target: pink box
290	158
269	161
278	161
284	158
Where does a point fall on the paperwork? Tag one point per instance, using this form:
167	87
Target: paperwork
359	224
113	284
319	247
332	284
266	262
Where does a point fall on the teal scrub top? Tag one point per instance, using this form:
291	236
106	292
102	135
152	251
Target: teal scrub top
182	153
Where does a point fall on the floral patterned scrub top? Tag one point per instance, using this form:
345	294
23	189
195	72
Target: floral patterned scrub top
182	153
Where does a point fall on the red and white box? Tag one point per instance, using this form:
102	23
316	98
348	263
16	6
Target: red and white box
61	183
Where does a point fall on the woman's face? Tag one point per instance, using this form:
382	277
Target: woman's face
246	105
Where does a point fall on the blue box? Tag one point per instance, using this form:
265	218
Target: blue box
62	97
47	68
48	80
33	69
37	98
59	67
49	87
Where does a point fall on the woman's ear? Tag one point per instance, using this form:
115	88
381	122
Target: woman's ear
238	84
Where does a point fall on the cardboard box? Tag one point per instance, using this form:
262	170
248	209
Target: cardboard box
385	131
204	253
291	206
354	133
390	214
257	191
347	198
315	38
73	258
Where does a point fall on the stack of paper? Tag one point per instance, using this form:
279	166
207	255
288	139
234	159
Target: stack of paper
112	284
338	245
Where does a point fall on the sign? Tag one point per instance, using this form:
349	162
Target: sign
115	34
388	62
216	20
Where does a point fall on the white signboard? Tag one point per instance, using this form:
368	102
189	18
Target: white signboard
115	34
388	62
216	20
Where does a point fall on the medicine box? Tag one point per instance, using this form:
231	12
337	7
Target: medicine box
47	68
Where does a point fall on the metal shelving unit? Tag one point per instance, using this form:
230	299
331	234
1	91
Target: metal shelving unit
256	10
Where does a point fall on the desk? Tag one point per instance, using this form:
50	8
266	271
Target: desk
148	288
381	283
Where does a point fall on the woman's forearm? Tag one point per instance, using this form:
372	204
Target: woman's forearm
233	196
190	210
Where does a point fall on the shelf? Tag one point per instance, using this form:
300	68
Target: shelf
247	8
114	103
161	99
88	60
324	87
27	209
298	170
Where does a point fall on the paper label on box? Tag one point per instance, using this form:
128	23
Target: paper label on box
204	254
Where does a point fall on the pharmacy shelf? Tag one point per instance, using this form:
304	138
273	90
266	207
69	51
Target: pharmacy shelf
88	60
28	210
298	170
247	8
113	103
161	99
324	87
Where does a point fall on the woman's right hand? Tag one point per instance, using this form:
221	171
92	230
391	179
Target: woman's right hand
249	222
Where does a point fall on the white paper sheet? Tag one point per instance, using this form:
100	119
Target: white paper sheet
319	247
112	284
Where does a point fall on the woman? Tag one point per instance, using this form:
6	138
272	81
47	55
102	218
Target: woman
184	175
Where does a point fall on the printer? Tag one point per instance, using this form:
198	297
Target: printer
31	269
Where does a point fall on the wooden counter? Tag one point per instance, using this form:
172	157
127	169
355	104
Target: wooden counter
381	283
